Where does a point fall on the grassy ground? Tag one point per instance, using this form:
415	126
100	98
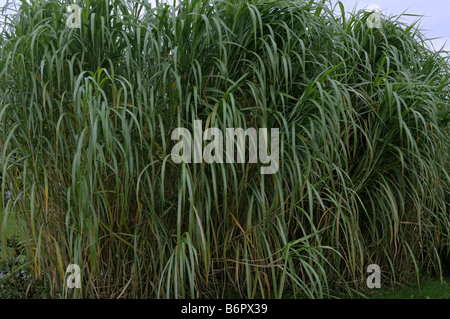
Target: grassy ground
430	289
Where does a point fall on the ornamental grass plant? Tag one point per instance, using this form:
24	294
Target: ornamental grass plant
86	116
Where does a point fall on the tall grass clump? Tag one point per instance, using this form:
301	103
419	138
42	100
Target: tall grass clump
86	117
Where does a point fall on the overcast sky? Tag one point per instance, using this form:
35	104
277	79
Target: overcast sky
436	20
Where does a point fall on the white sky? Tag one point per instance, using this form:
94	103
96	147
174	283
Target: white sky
435	23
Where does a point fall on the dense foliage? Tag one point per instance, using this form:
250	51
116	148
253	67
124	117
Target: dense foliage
86	117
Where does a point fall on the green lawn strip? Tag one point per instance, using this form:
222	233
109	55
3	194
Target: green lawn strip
429	289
